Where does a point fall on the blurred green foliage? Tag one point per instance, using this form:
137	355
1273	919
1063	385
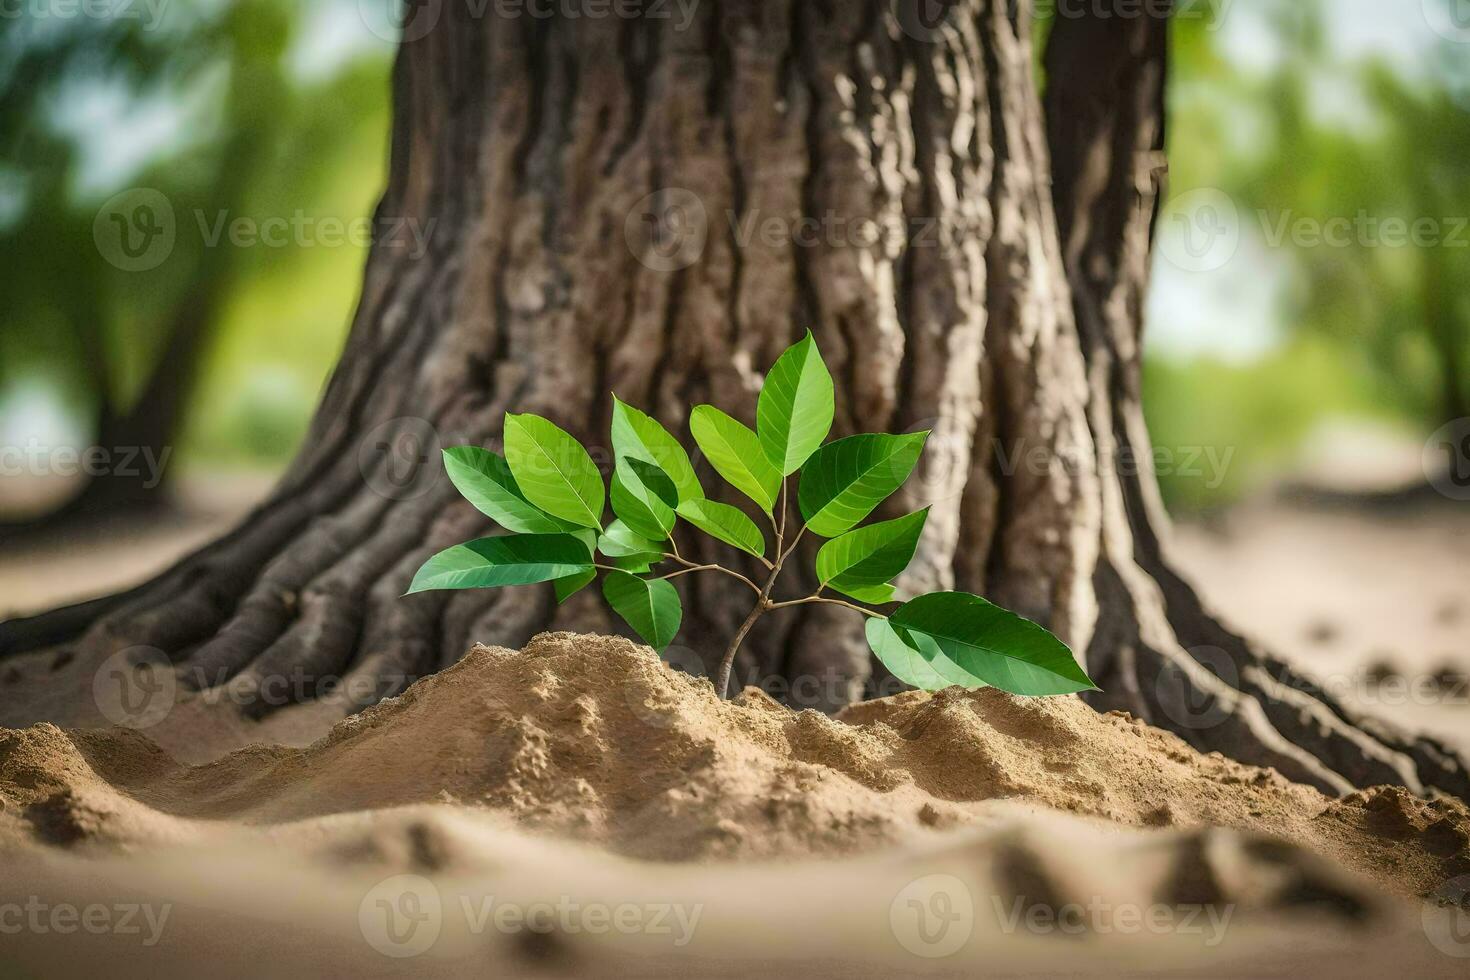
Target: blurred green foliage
230	110
1331	157
241	109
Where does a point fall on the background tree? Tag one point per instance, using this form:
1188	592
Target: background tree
1344	161
657	207
128	346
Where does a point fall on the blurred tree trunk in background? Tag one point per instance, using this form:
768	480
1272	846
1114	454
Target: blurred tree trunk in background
658	208
252	39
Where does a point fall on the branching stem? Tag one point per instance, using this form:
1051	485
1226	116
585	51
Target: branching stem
727	663
829	601
692	567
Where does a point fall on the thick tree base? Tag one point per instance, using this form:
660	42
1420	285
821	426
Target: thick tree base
652	208
301	652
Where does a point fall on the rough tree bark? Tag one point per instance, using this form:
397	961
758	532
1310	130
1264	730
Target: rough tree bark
658	209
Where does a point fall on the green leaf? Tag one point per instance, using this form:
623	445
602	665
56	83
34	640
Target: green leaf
652	608
620	541
513	559
904	658
870	556
736	454
569	585
628	550
588	537
640	436
937	670
994	645
553	470
876	595
485	480
648	510
846	479
654	479
796	406
727	523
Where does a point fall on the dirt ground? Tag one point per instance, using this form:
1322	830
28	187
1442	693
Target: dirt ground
1374	602
577	809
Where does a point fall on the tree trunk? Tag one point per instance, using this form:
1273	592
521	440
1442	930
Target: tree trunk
658	208
146	432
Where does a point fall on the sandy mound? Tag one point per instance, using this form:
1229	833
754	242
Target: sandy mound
475	778
593	738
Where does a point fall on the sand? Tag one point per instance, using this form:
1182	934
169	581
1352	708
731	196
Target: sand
649	828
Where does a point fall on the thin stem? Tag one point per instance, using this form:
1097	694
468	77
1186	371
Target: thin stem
819	598
794	542
690	566
780	528
712	568
727	662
